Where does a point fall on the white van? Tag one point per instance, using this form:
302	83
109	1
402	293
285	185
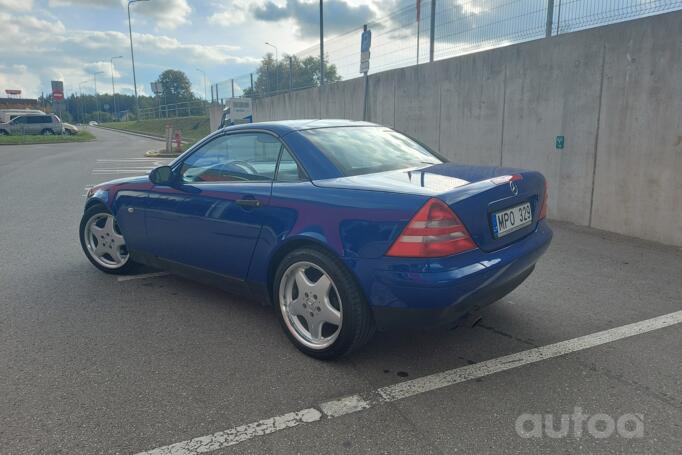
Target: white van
8	114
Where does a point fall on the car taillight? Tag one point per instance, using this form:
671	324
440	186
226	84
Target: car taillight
435	231
543	209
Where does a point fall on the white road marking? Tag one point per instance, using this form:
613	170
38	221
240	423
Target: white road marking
343	406
142	276
239	434
135	165
360	402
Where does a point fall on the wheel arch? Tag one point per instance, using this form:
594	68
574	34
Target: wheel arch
95	201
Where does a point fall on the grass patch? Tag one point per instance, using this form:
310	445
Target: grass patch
193	128
83	136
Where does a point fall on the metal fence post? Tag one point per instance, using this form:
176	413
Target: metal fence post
291	64
252	92
432	37
217	98
550	18
232	83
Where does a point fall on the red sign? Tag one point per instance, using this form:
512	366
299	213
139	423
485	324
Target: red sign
58	90
13	92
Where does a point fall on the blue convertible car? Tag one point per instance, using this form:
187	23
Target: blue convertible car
344	227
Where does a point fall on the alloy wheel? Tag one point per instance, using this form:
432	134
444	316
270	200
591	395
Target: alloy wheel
104	241
310	305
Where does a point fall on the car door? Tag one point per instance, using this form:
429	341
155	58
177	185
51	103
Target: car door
212	217
35	124
19	125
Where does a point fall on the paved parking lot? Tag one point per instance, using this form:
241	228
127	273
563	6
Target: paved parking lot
91	363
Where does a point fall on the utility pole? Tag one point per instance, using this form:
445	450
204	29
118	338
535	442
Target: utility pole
291	71
113	87
432	31
204	73
94	76
80	90
132	55
321	43
276	60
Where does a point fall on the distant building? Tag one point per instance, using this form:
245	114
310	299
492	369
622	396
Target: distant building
18	103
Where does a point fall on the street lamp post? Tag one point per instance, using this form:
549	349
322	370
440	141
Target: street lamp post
204	73
80	90
276	60
94	77
132	55
113	87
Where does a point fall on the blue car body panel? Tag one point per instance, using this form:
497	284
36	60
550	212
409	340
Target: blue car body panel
356	218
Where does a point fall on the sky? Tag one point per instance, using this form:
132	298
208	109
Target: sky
69	40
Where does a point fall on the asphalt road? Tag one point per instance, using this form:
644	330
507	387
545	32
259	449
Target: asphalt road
90	364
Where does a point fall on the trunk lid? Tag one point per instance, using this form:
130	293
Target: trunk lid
474	193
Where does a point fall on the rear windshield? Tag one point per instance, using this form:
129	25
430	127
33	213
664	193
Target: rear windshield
360	150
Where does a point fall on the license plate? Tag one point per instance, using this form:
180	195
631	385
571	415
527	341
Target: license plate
512	219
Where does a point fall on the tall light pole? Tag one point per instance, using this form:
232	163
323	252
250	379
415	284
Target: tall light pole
132	55
113	87
94	77
276	60
321	44
80	90
204	73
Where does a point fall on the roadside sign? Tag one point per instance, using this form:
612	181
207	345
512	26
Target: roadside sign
365	44
560	142
157	88
366	41
57	90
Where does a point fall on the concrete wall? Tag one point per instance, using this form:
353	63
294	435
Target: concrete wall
614	92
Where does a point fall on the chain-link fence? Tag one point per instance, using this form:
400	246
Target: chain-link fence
434	30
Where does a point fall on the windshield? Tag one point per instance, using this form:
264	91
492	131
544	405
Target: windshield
365	150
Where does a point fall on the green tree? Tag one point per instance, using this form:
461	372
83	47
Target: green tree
176	86
273	77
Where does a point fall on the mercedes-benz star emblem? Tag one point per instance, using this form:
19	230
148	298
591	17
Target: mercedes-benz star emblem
514	189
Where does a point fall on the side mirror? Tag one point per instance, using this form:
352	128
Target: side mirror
162	175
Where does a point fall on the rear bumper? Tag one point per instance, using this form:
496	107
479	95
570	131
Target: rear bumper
408	293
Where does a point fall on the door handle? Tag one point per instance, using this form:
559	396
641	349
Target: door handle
248	202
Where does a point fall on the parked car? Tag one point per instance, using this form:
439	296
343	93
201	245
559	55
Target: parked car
70	129
8	114
342	226
46	125
93	123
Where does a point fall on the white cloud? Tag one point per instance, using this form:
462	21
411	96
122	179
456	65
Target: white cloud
165	15
232	12
21	6
18	77
169	15
73	55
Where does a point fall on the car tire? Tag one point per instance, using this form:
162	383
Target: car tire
47	132
103	243
305	315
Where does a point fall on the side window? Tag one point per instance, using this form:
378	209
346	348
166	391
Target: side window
20	120
36	119
288	170
236	157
